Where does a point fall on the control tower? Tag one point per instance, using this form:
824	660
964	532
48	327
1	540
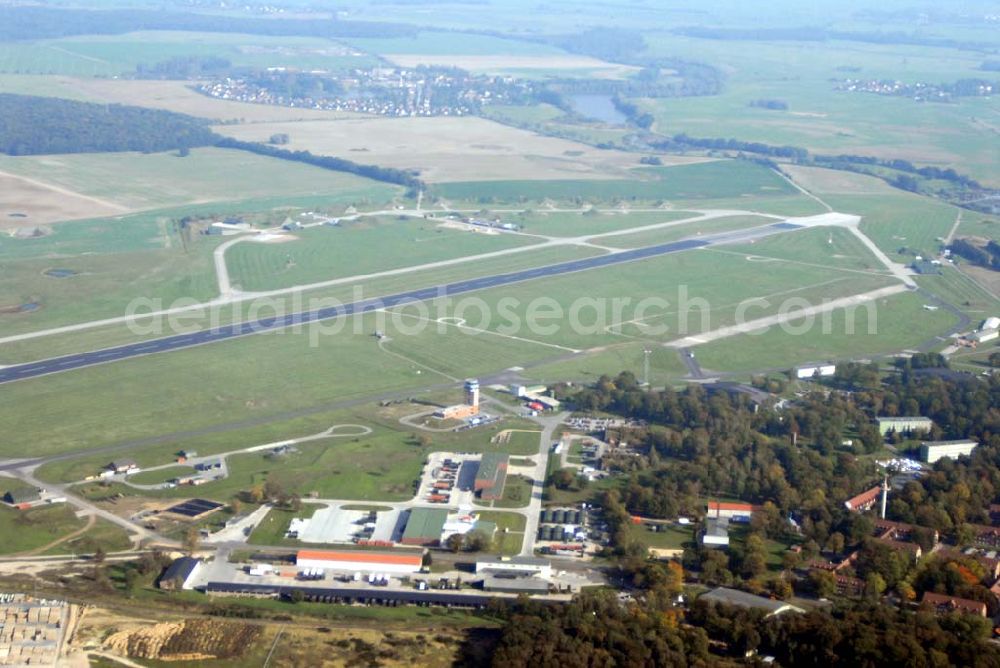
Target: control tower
472	392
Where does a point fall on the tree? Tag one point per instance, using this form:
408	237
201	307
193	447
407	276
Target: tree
874	585
273	489
476	541
191	540
674	581
454	542
426	561
297	596
425	441
256	493
235	506
823	583
131	581
99	555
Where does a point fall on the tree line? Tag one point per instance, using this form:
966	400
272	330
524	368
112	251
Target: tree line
984	256
596	629
31	125
386	174
38	22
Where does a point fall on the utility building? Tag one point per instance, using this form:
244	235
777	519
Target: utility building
931	451
491	476
904	425
360	561
424	526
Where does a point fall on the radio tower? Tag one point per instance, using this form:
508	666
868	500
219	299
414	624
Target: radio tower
645	366
885	493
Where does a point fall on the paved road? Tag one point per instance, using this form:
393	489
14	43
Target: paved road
235	330
531	513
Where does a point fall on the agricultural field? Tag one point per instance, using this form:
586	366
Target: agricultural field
109	56
827	121
206	175
176	96
445	149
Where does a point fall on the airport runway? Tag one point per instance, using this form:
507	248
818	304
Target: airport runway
76	361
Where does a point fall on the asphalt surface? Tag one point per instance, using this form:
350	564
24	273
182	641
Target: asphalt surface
235	330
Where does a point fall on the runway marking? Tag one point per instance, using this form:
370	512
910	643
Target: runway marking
240	329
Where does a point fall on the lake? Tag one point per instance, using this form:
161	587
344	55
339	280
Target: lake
598	108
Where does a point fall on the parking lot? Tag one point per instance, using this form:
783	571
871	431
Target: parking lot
448	479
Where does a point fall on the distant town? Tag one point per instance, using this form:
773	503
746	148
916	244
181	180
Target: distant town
384	91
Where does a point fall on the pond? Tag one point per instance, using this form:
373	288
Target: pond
598	107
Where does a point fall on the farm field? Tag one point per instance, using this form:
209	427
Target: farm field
828	121
709	180
355	248
207	174
520	65
176	96
112	55
899	322
446	148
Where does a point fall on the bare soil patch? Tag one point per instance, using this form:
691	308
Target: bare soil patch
495	63
178	96
447	149
27	203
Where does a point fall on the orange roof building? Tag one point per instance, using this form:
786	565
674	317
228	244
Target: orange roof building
728	509
864	500
361	560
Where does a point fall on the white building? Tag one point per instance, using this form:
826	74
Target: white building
525	565
823	371
931	451
359	561
984	335
904	425
993	322
716	532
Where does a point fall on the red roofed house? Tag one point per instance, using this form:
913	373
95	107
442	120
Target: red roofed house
864	500
361	560
899	546
737	511
942	603
899	530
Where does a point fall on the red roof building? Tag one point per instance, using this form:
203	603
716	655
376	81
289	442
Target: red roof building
864	500
728	509
943	604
